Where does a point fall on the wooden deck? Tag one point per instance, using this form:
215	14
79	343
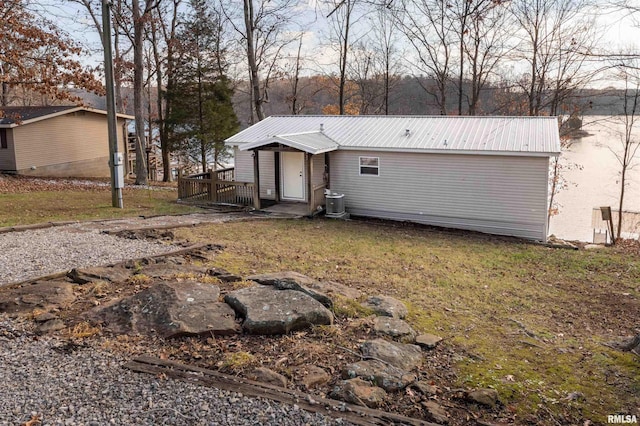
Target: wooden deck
215	186
219	187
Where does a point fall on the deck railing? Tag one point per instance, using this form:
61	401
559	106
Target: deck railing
215	186
317	197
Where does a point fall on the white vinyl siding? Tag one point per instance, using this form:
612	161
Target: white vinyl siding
244	170
504	195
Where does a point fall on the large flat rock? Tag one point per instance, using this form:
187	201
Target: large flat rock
386	306
171	309
400	355
395	328
380	374
40	294
322	291
99	273
267	310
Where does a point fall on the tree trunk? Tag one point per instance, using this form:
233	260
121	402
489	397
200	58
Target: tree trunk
138	71
296	81
343	58
623	174
256	96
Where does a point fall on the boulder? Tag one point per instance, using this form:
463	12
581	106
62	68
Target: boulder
395	328
265	375
293	281
40	294
267	310
44	317
112	274
359	392
224	275
383	375
403	356
171	309
428	341
312	376
436	412
169	271
386	306
488	397
426	388
50	326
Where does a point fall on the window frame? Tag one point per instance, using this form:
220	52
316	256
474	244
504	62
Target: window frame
361	166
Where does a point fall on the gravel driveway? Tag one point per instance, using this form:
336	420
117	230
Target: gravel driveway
43	380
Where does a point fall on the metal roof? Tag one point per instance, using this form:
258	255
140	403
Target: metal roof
12	116
532	136
311	142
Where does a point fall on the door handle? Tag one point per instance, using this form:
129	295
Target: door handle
300	174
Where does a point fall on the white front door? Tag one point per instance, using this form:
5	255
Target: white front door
292	175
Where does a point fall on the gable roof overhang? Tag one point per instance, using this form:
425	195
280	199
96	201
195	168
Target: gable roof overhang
35	114
309	142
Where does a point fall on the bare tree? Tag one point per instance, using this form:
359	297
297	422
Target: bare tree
162	30
376	64
486	45
630	143
261	27
426	25
341	16
467	16
555	34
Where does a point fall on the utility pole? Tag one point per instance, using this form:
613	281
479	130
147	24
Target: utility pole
115	158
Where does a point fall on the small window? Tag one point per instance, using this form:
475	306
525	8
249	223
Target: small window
3	139
370	166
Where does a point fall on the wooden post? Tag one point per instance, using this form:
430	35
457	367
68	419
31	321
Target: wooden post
276	161
213	185
309	171
256	180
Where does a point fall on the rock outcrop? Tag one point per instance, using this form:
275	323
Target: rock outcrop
359	392
40	294
380	374
267	310
395	328
171	309
386	306
403	356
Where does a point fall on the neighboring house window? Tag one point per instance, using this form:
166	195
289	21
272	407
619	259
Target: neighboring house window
3	139
370	166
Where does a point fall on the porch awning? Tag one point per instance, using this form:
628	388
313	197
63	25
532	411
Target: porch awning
310	142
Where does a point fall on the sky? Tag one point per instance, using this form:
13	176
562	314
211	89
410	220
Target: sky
618	30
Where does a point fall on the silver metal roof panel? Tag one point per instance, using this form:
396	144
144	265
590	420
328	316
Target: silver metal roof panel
446	134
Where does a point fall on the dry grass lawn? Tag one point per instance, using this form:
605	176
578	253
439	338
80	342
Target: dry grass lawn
527	320
25	201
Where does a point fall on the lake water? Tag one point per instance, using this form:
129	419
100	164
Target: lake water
597	182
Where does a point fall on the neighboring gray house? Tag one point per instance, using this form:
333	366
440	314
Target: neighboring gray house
487	174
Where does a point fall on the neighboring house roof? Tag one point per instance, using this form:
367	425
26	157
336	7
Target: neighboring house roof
530	136
311	142
13	116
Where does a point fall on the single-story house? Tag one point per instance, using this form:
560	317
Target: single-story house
57	141
488	174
